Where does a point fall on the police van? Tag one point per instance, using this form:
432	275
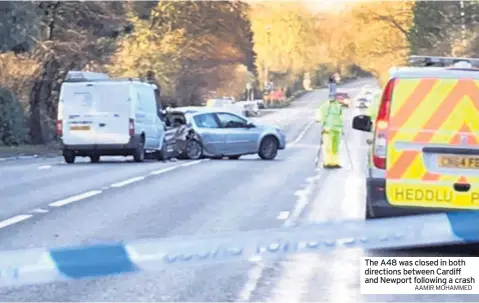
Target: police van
424	156
100	116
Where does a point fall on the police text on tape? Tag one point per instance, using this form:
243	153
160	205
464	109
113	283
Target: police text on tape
418	275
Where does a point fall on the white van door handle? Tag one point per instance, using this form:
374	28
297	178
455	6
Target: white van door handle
102	124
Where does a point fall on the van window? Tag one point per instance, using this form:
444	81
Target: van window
81	100
99	97
110	97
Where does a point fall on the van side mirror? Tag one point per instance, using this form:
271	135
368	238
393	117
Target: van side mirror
363	123
250	125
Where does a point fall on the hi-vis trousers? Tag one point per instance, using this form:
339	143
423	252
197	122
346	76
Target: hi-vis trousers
331	141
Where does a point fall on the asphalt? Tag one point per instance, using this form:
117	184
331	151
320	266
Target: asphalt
46	203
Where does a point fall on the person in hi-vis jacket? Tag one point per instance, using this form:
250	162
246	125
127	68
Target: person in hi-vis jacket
330	115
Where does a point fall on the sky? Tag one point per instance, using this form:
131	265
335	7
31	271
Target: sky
326	5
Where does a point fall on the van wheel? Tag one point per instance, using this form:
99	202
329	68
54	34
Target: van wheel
268	149
163	153
194	149
95	159
139	154
69	157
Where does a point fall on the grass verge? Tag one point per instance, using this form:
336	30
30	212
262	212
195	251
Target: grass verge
49	150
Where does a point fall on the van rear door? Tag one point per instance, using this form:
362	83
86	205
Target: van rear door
112	112
76	110
433	143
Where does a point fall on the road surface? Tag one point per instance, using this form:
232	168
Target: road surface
46	203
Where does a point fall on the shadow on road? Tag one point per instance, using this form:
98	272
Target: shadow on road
453	250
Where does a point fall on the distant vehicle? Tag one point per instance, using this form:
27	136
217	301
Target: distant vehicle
217	133
424	156
362	103
344	98
228	104
251	108
99	116
260	103
366	90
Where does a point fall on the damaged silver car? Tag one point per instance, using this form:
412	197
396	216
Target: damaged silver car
199	132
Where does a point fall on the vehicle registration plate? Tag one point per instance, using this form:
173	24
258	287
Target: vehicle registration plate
467	162
82	127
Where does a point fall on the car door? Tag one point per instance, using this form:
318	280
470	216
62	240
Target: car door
212	135
240	138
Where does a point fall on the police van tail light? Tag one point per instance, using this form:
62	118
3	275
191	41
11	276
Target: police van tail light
382	124
131	127
59	128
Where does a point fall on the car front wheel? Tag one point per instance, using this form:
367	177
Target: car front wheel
194	149
268	148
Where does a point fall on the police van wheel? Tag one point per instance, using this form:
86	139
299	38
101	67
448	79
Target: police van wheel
69	157
268	149
139	154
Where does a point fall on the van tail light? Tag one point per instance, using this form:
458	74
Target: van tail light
59	128
131	127
382	125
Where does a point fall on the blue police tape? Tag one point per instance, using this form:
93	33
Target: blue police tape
34	266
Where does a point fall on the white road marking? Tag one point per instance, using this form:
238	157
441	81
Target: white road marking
303	133
45	167
164	170
193	162
28	157
14	220
39	211
299	271
291	285
129	181
303	198
75	198
254	275
283	215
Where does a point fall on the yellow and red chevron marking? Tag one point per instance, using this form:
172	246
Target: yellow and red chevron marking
436	111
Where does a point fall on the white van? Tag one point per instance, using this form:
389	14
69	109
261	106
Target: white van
99	116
